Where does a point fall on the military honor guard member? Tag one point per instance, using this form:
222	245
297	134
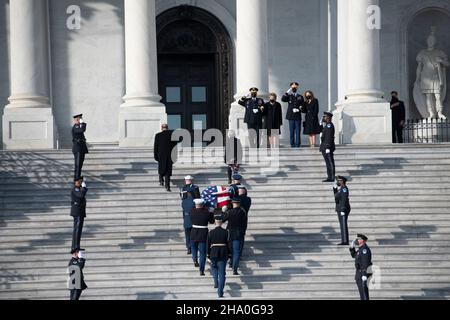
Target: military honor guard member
363	260
78	210
188	185
246	201
187	204
237	227
254	110
79	147
200	218
341	197
327	147
163	155
294	113
218	252
234	187
75	268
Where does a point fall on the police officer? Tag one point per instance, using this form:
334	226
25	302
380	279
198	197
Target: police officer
234	187
218	252
294	115
76	282
363	260
79	147
327	147
237	226
187	204
78	210
188	184
341	196
200	218
254	109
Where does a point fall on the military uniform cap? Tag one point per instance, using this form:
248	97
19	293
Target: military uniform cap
294	83
219	217
199	201
78	116
189	177
254	89
237	177
328	114
341	178
236	200
361	236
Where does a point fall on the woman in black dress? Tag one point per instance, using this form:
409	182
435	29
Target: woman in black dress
273	119
311	125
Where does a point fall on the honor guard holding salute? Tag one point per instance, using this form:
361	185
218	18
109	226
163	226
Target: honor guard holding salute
341	196
363	260
327	147
189	185
254	109
294	113
76	282
78	210
79	147
218	248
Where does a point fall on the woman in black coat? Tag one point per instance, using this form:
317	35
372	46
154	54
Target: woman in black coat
311	125
273	119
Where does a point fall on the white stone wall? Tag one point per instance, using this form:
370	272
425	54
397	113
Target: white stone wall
88	68
4	58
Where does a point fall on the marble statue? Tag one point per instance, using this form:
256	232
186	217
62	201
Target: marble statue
430	87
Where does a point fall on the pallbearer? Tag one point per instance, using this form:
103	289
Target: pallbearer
79	147
189	184
341	197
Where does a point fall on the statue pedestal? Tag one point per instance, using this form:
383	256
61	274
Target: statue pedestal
363	123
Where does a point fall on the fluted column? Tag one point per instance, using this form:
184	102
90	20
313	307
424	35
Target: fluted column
28	121
142	113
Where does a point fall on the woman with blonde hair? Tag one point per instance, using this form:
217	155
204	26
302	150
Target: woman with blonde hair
311	125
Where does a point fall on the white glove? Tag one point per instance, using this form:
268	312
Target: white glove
81	121
255	111
352	245
289	91
342	213
82	254
335	186
224	209
296	110
364	278
83	184
327	151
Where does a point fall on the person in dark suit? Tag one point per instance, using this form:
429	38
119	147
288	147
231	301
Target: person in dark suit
398	118
218	251
163	155
200	218
294	115
79	147
254	109
78	210
341	197
273	119
233	154
327	147
76	282
363	261
311	126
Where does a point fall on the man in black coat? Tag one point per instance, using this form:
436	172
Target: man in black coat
200	218
79	147
76	282
163	155
254	109
237	227
233	154
78	210
327	147
341	197
218	252
398	118
363	260
295	102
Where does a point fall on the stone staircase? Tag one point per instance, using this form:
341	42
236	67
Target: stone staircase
133	235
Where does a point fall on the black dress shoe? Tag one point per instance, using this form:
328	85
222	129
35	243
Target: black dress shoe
343	244
196	264
168	190
202	274
189	251
216	286
235	273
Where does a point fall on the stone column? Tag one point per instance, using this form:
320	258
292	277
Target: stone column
364	116
252	62
142	113
28	122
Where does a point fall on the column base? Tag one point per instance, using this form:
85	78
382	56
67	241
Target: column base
363	123
138	125
29	128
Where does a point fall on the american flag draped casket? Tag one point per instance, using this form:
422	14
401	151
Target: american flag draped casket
216	197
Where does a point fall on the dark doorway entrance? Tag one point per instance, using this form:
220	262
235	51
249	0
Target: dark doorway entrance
194	69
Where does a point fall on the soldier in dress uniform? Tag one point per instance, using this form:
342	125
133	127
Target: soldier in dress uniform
218	252
187	204
200	218
254	109
237	226
79	147
363	260
188	184
294	115
246	201
76	282
327	147
234	187
78	210
341	197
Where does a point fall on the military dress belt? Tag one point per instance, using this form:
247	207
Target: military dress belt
199	227
218	245
79	140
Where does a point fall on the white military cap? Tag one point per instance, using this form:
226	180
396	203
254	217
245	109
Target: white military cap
199	201
189	177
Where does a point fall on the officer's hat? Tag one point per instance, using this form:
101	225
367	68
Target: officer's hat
78	116
189	177
241	186
236	200
341	178
78	179
199	201
219	217
254	89
74	250
294	83
361	236
328	114
237	177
